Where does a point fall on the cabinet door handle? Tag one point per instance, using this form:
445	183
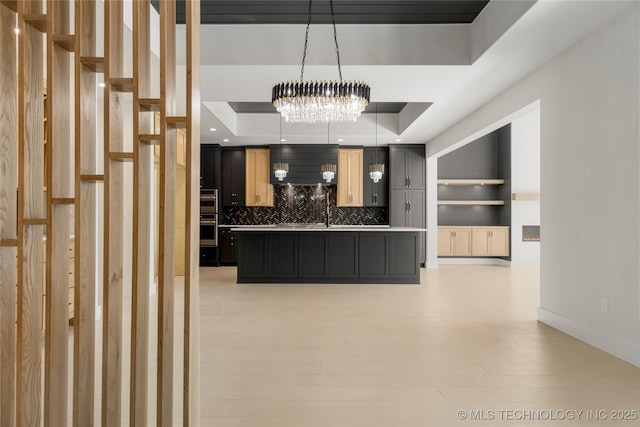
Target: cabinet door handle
409	206
409	182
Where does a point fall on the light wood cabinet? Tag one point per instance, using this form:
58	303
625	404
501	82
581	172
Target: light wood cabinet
490	241
454	241
473	241
349	177
259	191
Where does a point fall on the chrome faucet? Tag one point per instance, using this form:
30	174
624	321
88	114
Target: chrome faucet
328	194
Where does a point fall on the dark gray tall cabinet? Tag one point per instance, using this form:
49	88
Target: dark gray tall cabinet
407	172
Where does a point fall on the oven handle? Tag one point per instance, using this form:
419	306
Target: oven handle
208	222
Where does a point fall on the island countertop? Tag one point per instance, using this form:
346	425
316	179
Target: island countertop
313	227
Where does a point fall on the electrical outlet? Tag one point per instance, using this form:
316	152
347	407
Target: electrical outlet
604	306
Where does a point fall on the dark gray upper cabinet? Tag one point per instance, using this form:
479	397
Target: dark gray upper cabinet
376	193
210	166
407	167
233	177
304	162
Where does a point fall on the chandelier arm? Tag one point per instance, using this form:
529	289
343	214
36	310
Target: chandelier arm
306	41
335	38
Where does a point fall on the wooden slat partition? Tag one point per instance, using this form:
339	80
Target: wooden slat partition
58	185
164	413
30	206
113	219
8	210
142	187
85	217
192	214
34	390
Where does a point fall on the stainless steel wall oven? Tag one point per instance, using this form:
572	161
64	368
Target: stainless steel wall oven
209	218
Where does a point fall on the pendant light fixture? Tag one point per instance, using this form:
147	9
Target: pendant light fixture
280	168
376	170
320	101
328	169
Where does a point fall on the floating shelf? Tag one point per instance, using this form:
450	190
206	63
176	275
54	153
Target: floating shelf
472	202
525	196
470	181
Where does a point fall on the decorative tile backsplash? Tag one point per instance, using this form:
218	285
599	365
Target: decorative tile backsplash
304	204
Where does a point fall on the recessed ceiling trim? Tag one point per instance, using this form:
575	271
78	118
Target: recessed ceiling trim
347	11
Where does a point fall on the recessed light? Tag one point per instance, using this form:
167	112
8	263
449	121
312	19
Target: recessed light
225	140
101	84
212	129
283	140
341	140
398	140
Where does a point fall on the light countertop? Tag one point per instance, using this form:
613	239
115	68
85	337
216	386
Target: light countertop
330	228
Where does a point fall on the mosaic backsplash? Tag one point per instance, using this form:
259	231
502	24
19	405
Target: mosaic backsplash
304	204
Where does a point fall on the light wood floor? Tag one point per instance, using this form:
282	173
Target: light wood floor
466	339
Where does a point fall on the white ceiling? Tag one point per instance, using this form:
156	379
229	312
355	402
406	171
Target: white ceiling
457	68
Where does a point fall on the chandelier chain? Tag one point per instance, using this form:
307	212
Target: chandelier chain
306	40
335	38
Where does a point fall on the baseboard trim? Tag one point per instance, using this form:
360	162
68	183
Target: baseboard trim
627	351
475	261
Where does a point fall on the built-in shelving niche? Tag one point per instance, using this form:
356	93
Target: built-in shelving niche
474	182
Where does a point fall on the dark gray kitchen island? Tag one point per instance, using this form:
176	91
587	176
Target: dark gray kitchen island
335	254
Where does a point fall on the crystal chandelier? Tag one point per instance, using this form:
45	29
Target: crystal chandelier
328	169
280	168
320	101
376	170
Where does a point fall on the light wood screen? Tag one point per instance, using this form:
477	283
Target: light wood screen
52	181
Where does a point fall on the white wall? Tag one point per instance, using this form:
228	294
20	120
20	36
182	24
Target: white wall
590	184
525	178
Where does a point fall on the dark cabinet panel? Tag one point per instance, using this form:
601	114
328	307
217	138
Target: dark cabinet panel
403	255
375	193
233	177
227	246
283	254
407	209
407	167
304	162
328	257
210	166
374	255
252	254
343	254
208	256
313	261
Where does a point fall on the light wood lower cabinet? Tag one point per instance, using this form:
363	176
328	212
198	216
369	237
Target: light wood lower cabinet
454	241
490	242
473	241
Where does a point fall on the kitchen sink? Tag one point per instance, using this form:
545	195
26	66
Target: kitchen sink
302	225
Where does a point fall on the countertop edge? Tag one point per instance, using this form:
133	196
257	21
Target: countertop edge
360	229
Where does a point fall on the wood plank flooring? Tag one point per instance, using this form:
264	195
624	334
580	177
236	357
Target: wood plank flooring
466	339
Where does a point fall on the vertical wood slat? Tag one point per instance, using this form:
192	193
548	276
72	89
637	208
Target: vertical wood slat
113	223
164	413
191	398
30	206
142	176
85	217
8	214
58	186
